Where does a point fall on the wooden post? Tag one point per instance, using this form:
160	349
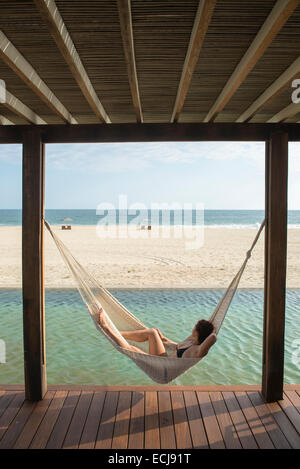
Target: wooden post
267	170
32	265
275	265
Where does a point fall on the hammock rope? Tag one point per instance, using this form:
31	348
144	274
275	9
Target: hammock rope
159	369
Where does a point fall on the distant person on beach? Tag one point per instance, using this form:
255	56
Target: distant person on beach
192	347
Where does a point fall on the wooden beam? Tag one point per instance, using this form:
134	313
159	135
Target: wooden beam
124	8
15	60
165	132
156	132
11	133
266	252
289	111
5	121
183	132
275	266
59	32
271	27
32	265
16	106
201	22
282	82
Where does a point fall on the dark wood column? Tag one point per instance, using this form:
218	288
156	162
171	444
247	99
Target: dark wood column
275	265
33	265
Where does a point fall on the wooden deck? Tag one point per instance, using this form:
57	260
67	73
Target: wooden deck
149	417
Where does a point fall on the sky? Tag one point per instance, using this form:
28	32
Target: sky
215	175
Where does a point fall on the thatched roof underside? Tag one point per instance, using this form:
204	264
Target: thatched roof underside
150	61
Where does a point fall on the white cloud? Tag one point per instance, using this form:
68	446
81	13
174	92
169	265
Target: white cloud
119	157
92	157
294	157
135	156
11	153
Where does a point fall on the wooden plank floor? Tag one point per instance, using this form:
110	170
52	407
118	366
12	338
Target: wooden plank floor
151	417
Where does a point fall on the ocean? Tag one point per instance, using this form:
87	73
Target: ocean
211	218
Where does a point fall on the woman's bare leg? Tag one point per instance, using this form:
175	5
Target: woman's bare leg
156	346
165	339
141	335
138	336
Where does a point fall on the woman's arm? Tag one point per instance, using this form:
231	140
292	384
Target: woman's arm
199	351
205	346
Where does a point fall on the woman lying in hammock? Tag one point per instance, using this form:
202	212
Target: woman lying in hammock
194	346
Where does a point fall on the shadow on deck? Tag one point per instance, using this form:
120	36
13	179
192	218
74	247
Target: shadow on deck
149	417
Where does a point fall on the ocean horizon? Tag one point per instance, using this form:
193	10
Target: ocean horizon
241	219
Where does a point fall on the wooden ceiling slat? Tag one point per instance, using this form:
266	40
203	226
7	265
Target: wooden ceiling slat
231	30
286	113
274	106
16	106
67	48
162	33
5	121
202	20
283	81
95	30
14	59
271	27
124	8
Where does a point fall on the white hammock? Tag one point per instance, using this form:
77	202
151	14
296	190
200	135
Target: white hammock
160	369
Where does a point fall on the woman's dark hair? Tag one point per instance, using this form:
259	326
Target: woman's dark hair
204	329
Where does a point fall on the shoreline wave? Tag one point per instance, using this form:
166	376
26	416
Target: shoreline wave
130	225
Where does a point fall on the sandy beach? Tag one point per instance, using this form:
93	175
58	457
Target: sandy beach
150	259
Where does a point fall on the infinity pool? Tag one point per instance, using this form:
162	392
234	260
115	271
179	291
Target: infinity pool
77	354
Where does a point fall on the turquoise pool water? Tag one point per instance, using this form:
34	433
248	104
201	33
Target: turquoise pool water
77	354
